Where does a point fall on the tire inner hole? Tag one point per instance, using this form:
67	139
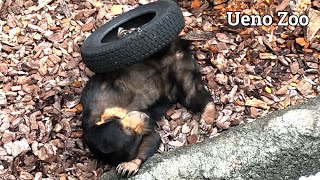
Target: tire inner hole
128	27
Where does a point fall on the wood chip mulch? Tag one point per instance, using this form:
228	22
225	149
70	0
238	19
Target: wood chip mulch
251	71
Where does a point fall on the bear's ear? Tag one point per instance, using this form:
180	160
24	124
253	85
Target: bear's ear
185	44
180	44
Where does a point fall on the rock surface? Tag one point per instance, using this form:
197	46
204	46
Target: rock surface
283	145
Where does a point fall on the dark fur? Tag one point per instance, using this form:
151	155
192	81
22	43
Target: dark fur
169	76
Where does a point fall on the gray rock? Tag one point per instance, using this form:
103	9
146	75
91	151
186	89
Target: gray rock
283	145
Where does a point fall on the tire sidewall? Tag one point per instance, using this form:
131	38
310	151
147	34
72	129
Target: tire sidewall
94	40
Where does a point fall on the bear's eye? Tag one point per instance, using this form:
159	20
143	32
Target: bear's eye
128	130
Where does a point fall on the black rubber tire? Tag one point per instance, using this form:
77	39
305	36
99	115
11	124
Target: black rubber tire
158	24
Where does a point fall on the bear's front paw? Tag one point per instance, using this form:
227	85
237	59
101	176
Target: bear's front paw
208	114
130	168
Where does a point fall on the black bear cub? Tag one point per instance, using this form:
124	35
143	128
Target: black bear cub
120	109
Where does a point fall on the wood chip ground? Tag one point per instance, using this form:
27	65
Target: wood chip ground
250	71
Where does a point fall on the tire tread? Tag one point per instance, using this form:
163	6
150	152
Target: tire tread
141	45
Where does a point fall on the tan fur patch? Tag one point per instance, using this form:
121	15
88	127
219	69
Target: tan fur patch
134	123
109	112
179	54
